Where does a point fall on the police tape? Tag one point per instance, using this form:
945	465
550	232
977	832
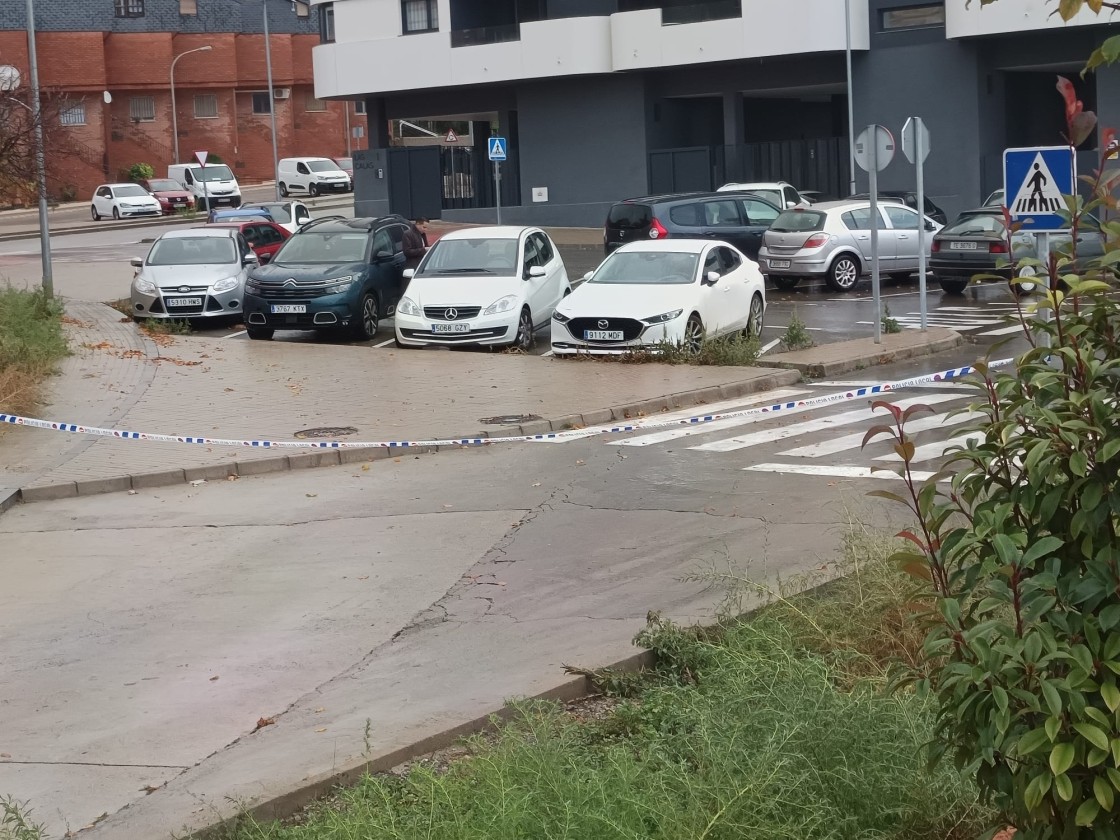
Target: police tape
638	425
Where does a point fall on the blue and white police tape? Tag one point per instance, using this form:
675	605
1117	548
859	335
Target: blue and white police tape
638	425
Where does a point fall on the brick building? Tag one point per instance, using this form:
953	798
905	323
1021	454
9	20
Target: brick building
126	48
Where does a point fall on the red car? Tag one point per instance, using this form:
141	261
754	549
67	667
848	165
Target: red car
170	194
263	236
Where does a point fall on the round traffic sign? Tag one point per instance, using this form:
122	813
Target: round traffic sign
874	143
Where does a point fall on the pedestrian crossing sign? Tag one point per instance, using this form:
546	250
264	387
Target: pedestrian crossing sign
1035	181
497	148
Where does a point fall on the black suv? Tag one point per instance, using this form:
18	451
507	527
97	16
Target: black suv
910	199
335	273
737	218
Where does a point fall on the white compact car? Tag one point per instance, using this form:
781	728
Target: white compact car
490	286
123	200
778	193
290	215
674	290
192	273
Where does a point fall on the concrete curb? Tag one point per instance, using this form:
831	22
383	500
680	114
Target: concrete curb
285	804
335	457
883	354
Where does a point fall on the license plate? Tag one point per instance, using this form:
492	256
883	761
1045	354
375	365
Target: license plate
183	301
603	335
779	263
451	328
289	308
962	246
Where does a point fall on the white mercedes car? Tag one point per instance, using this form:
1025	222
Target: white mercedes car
490	286
675	290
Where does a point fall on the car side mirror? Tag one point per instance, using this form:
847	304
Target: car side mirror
250	258
711	278
790	205
136	262
535	271
588	276
931	226
381	256
408	273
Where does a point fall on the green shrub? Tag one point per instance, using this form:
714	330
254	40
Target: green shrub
141	172
31	345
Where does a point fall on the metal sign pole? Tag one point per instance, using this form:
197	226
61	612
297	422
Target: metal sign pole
919	153
498	191
873	176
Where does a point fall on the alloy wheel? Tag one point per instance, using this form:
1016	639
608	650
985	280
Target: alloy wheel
693	335
754	320
524	338
845	273
369	315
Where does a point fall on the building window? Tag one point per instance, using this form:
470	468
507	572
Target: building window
142	108
188	7
326	23
313	104
913	17
261	105
360	107
419	15
303	8
206	105
73	114
128	8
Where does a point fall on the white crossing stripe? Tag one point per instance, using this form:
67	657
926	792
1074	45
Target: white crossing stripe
830	422
932	451
835	471
1014	328
853	441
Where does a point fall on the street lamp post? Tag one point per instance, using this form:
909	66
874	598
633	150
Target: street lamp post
40	156
174	113
851	109
271	100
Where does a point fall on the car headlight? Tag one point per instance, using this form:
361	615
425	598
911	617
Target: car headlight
502	304
252	287
226	284
560	317
144	287
408	306
663	317
339	285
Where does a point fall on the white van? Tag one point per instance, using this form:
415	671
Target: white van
213	185
313	175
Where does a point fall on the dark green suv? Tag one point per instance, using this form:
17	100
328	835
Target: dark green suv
334	274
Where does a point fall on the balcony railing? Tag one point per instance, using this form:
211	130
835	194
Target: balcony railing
673	14
485	35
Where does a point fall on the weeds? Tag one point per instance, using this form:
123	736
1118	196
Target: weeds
796	336
123	306
166	326
31	345
735	349
890	325
15	821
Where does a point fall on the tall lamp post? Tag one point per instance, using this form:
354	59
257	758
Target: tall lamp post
40	156
271	97
174	113
851	108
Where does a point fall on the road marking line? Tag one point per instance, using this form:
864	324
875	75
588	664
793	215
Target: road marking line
859	415
835	472
543	355
1004	330
858	299
854	441
383	343
932	451
780	327
767	348
236	334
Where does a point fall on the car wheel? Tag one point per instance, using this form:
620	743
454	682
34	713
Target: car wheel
116	214
953	287
755	318
93	212
784	283
1026	282
843	274
283	190
693	334
202	205
259	333
313	190
365	327
524	338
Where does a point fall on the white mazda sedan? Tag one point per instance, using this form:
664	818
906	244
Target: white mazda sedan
491	286
675	290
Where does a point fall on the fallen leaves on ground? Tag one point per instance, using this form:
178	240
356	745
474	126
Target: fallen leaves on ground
262	723
76	322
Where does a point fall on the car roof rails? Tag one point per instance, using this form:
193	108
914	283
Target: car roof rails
320	221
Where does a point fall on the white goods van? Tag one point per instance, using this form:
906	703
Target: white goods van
313	175
213	185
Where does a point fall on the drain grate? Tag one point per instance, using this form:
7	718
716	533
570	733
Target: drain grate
326	432
508	419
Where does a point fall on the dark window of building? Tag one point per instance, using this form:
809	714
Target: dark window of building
128	8
419	16
261	105
360	106
326	23
142	108
913	17
206	105
188	7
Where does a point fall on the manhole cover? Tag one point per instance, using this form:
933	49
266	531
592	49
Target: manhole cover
331	432
508	419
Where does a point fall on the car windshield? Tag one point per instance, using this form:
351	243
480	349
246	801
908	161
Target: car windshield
193	250
214	172
164	185
322	165
320	246
240	217
279	212
129	191
773	196
995	199
981	224
470	256
798	221
656	268
345	163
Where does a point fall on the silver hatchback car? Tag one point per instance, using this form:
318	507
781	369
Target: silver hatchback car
833	240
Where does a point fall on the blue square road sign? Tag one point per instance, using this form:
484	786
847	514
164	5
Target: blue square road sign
1034	181
497	148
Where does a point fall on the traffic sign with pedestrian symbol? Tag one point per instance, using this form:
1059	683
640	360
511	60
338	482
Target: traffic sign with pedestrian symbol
497	148
1035	181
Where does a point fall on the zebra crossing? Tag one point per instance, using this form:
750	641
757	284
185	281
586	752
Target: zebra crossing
824	442
989	321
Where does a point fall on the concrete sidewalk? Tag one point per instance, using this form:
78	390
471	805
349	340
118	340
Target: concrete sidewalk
121	378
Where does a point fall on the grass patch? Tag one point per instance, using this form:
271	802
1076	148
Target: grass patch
771	727
166	326
31	345
123	306
796	336
733	350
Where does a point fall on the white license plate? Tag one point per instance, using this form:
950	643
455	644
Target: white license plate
289	308
451	328
183	301
603	335
962	246
779	263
